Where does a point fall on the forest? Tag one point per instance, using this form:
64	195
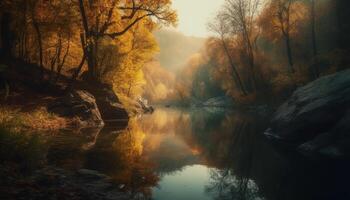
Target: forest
258	49
262	51
111	89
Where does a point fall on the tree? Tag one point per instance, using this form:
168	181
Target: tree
111	18
240	14
6	39
221	28
130	53
342	9
283	11
313	35
33	7
313	28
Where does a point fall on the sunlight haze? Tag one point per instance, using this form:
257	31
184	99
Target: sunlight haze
195	14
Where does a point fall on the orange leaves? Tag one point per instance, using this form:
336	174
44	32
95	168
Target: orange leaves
285	15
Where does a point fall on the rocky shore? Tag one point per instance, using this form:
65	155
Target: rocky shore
315	119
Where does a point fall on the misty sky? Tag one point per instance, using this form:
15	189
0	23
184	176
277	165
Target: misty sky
195	14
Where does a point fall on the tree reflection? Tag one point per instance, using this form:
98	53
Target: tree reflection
119	155
68	148
225	185
230	144
232	156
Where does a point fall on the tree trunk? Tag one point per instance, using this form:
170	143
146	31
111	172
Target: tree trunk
91	45
313	37
82	62
236	74
7	40
75	74
289	54
40	44
250	55
343	16
61	63
313	28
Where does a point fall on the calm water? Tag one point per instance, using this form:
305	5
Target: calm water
198	155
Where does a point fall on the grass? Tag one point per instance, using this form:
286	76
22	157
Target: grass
39	119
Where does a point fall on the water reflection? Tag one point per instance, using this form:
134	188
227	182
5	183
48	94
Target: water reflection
225	185
197	155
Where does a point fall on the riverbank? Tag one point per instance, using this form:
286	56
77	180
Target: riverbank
26	110
25	173
12	118
19	118
33	102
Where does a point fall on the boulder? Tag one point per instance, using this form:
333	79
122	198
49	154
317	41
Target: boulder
316	117
111	108
78	104
144	106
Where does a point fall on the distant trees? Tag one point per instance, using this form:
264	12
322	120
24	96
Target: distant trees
275	45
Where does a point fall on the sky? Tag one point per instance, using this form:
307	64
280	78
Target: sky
194	15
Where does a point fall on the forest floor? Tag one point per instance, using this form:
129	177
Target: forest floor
26	110
25	107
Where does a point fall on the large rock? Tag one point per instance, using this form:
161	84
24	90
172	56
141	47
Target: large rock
316	118
112	110
78	104
144	106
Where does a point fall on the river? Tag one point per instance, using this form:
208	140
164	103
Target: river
203	154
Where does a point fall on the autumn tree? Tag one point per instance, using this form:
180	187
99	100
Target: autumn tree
221	28
240	15
285	15
112	18
43	32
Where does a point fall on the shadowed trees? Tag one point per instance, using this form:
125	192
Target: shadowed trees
283	14
343	15
7	43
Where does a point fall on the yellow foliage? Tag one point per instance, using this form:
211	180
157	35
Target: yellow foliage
138	49
160	82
